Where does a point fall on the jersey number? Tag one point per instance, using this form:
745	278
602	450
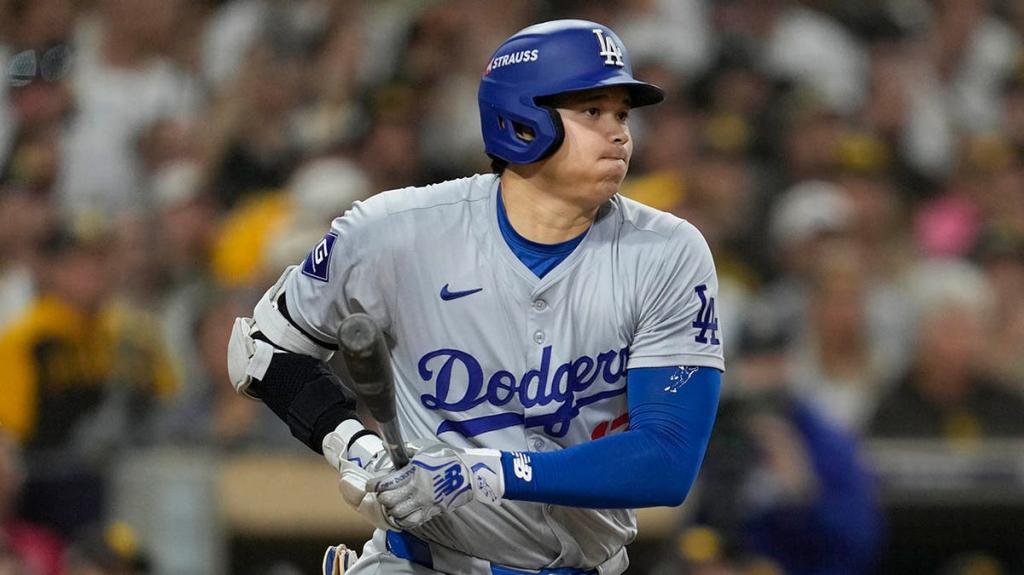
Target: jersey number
706	320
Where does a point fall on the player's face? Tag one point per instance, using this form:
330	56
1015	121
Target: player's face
594	157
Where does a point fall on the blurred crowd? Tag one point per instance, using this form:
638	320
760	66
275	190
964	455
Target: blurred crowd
857	167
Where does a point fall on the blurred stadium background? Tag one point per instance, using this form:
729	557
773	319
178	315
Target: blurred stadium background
856	166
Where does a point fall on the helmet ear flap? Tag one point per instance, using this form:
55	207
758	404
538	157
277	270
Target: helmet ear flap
523	139
559	136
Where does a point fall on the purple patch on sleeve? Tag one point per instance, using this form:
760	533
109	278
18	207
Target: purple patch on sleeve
318	262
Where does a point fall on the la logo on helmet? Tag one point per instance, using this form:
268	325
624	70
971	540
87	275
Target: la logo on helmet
611	52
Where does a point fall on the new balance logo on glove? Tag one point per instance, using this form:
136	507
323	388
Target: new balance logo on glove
447	482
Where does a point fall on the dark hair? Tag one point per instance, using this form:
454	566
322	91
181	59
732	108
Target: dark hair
498	165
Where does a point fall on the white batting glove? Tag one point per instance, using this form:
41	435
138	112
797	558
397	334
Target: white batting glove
358	463
437	480
353	488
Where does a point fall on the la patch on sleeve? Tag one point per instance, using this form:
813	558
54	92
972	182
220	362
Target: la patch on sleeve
318	262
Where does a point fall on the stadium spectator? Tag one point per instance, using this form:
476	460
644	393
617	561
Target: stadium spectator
123	83
77	372
26	548
947	394
838	368
1000	254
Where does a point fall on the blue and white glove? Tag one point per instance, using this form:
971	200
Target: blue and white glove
438	479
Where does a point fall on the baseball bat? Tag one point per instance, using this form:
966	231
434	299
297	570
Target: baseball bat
365	356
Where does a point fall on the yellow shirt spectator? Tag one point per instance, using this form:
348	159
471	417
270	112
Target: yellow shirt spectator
58	363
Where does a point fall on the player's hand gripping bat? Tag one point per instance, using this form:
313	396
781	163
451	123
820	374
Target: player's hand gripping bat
365	355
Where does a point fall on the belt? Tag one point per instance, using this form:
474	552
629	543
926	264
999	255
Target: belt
411	548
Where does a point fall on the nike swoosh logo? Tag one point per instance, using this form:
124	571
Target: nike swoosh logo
450	295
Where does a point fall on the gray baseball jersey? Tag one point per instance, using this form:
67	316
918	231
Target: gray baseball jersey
486	354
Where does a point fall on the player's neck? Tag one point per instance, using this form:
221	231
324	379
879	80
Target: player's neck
540	214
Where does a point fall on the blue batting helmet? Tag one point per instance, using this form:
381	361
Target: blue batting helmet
544	60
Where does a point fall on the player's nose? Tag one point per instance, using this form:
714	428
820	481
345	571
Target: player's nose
618	133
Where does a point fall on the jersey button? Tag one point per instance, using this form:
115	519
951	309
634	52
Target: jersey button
538	336
540	305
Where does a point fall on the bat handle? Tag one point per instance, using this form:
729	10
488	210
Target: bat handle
394	444
369	369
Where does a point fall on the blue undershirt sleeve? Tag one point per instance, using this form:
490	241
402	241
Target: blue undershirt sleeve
653	463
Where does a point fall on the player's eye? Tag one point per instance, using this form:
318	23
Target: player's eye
623	116
592	112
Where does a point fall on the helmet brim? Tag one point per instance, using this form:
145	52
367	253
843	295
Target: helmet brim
643	94
640	93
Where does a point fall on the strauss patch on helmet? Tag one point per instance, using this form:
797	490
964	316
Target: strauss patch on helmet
512	58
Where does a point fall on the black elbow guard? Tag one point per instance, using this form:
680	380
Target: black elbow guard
305	394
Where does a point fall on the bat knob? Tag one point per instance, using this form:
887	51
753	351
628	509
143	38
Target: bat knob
358	334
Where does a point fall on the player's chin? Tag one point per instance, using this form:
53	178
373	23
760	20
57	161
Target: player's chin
613	172
608	187
614	175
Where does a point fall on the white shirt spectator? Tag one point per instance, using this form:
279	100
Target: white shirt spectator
675	33
227	38
989	57
101	172
810	47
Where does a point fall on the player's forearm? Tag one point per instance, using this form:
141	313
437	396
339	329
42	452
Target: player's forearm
306	395
653	464
622	472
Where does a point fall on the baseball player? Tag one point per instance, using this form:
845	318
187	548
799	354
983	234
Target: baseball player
555	346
